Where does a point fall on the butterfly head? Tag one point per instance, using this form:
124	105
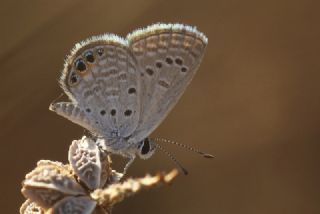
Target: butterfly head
146	148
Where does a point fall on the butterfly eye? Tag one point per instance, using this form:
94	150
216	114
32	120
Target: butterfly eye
89	56
80	65
146	147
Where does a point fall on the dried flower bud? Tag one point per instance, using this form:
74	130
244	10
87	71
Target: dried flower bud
50	182
84	158
80	205
55	188
29	207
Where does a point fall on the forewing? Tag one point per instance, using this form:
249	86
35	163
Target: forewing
101	79
168	56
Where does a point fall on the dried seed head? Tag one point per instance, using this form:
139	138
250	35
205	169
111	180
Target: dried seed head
70	204
53	187
49	182
85	160
29	207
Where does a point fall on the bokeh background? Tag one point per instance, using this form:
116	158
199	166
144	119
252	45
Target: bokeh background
254	103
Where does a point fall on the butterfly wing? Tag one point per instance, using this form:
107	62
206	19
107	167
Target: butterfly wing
102	80
168	56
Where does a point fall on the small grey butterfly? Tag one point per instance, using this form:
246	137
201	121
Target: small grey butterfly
122	88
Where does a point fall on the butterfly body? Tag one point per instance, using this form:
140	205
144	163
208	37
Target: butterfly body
122	88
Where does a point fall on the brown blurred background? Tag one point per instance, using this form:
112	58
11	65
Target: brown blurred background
254	103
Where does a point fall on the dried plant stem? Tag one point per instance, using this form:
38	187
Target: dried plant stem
115	193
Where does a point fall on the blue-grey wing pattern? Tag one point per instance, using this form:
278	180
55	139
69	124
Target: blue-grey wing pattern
168	56
121	88
103	82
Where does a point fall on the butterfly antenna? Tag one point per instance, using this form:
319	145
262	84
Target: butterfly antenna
55	100
206	155
185	172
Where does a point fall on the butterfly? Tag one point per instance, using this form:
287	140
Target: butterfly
121	89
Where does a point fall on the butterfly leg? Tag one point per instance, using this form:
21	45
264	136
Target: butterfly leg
131	159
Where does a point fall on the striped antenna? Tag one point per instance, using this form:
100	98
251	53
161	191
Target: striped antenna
206	155
183	170
55	100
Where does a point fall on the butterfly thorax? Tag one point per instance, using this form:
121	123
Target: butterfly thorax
128	147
